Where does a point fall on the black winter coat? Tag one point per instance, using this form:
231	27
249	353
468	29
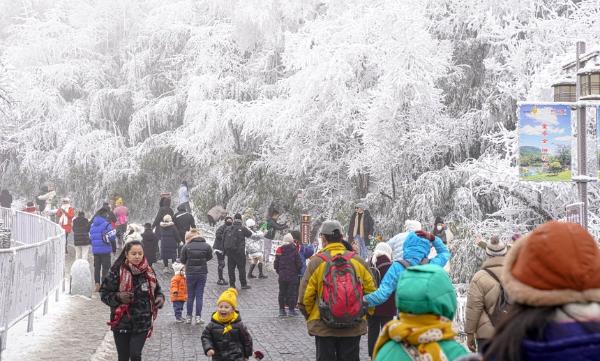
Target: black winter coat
219	237
150	245
273	227
184	222
81	231
368	225
287	263
162	212
235	345
234	238
169	238
140	309
195	255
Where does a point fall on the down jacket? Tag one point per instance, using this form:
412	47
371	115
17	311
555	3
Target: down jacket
235	345
390	280
81	231
195	255
169	237
150	244
287	263
100	227
483	294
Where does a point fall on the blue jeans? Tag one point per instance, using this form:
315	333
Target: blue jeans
195	285
178	308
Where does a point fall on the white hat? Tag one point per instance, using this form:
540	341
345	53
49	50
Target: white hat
177	267
250	223
382	249
288	238
410	225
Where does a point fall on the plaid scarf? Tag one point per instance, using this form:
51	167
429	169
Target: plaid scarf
126	273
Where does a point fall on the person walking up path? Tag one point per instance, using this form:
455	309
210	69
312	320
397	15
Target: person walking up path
219	247
234	240
169	238
195	255
287	265
65	215
81	236
102	237
335	339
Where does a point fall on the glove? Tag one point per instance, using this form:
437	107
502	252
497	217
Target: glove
159	301
125	297
427	235
471	342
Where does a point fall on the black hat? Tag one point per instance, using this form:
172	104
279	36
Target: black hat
237	216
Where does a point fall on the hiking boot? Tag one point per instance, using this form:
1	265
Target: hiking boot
250	275
282	313
188	319
221	282
246	287
199	320
260	271
293	313
179	320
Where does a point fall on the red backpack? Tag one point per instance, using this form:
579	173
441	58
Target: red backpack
341	304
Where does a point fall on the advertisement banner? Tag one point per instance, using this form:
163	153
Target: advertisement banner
591	119
545	138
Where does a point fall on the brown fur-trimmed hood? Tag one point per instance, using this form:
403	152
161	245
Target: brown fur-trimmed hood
556	264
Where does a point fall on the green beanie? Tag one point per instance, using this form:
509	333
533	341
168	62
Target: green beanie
426	289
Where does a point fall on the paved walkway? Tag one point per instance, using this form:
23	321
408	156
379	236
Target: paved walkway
76	328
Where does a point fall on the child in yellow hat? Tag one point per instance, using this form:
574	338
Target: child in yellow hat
225	337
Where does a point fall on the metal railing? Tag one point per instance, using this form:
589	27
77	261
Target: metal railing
30	270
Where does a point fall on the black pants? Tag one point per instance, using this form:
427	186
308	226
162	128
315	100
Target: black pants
220	265
376	323
236	259
129	345
101	266
287	294
338	348
482	344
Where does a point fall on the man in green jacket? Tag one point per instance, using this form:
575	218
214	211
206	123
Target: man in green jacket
426	303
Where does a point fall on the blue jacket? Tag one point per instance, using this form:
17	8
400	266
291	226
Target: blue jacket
306	251
564	341
397	242
100	226
390	280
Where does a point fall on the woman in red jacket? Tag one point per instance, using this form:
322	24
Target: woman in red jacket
65	215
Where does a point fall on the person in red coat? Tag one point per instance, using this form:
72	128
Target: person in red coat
65	215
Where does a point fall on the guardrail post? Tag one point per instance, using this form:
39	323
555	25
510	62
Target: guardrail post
56	296
30	321
46	306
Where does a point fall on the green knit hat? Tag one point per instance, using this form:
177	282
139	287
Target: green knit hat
426	289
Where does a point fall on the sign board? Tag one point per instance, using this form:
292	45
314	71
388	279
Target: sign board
575	213
545	138
591	152
305	228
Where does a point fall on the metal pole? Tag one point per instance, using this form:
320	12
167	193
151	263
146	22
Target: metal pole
581	141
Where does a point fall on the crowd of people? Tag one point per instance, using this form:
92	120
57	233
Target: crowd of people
536	296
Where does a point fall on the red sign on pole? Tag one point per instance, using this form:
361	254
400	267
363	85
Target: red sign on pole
305	228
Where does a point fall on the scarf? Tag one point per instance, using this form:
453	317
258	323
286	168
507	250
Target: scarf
417	332
359	227
126	273
227	321
64	214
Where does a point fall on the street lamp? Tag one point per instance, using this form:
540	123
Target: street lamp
589	82
565	90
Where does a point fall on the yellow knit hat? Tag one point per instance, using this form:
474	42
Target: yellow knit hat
229	296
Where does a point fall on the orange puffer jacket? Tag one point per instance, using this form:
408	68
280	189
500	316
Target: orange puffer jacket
178	290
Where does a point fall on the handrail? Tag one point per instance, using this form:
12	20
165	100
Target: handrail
31	271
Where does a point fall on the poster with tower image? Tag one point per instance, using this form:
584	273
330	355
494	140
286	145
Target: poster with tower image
545	141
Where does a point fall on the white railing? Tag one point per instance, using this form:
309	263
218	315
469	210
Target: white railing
30	270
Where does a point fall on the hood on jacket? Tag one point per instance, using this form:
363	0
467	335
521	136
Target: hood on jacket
98	220
166	224
415	248
426	289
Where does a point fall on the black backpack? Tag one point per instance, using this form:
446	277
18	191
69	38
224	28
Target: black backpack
502	303
376	273
233	238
